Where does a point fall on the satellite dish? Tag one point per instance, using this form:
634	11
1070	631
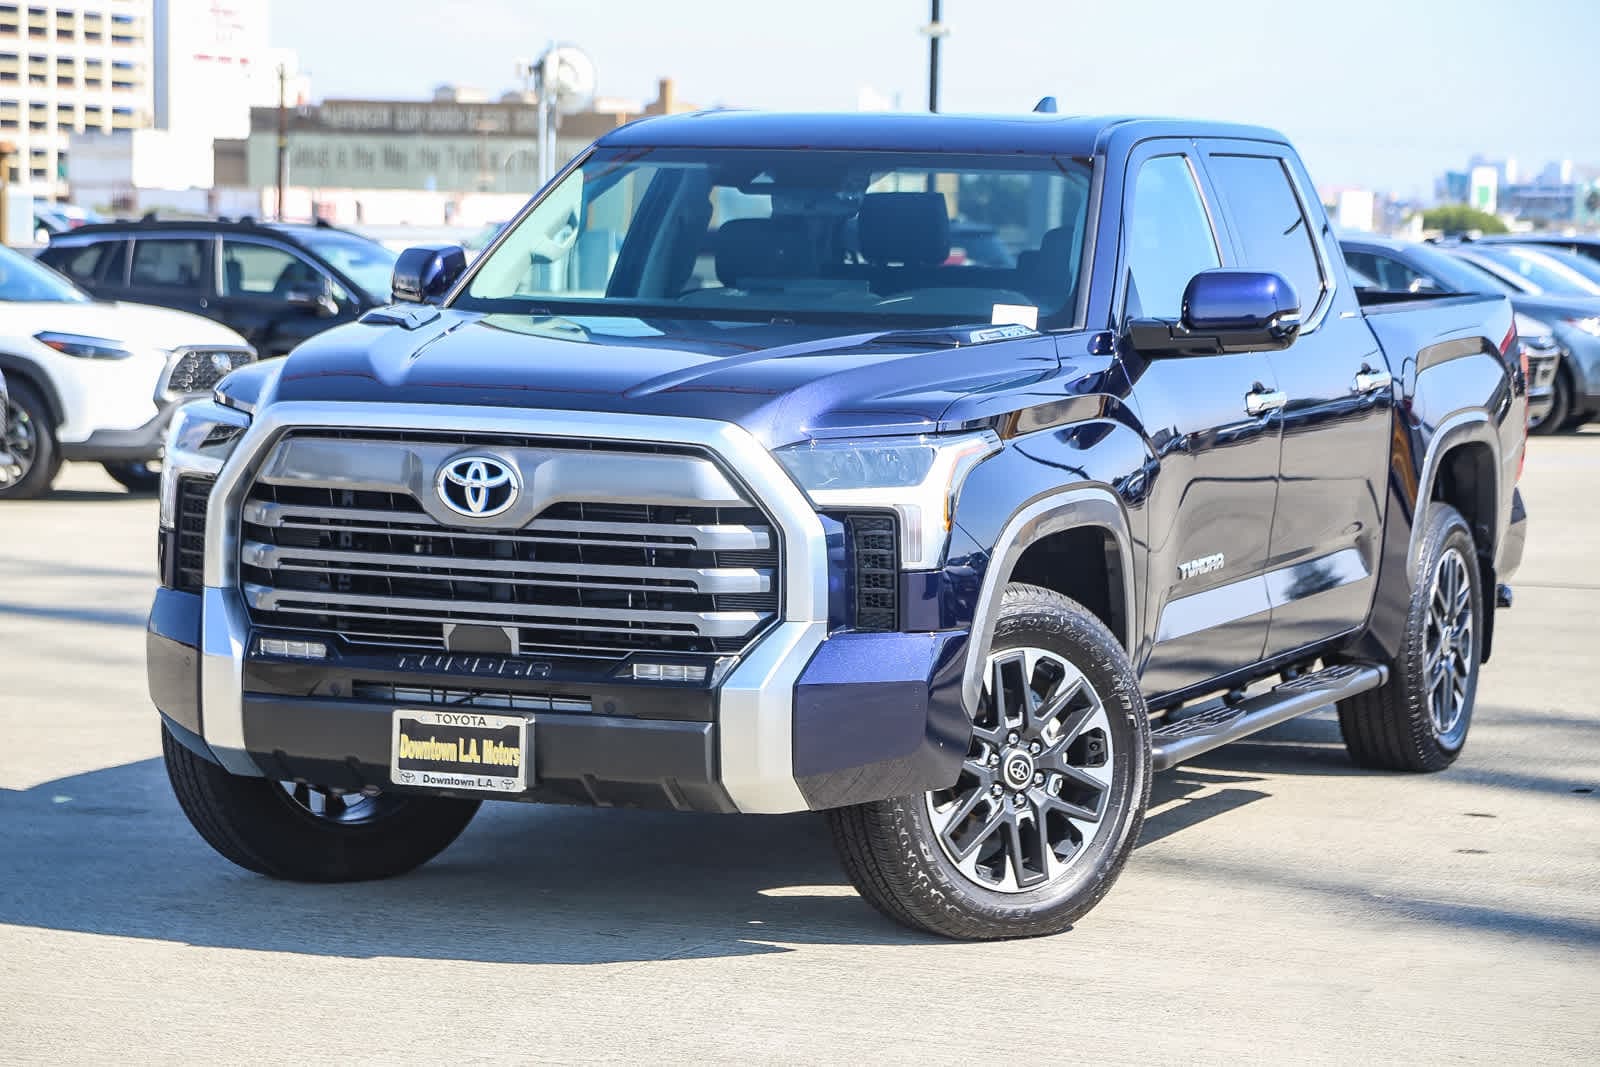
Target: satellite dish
567	77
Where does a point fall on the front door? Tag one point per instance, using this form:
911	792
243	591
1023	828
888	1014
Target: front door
1327	530
269	295
1212	500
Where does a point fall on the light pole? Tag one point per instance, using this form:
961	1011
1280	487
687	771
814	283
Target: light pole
936	31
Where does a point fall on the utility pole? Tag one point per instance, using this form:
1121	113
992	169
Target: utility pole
283	134
936	31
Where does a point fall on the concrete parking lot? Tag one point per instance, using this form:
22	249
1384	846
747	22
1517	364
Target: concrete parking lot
1281	904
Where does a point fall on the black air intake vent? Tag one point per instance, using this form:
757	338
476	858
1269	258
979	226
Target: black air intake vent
189	572
875	563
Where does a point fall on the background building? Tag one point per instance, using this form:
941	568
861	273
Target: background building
211	64
67	68
455	159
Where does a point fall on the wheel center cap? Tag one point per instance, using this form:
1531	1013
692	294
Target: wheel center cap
1017	767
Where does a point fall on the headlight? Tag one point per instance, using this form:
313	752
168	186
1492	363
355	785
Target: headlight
71	344
916	477
1590	325
202	435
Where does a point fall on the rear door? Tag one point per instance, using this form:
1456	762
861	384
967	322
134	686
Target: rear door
171	271
1212	501
1327	529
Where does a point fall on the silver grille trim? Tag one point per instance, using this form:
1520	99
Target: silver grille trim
329	560
705	623
719	538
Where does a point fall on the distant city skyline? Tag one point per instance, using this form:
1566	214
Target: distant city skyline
1381	93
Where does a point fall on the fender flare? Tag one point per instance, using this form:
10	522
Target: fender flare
1464	427
17	368
1058	511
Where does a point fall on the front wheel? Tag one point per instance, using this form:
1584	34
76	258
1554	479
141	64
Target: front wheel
137	476
31	441
304	833
1049	800
1555	420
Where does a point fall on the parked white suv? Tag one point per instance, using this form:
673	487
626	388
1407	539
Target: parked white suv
96	381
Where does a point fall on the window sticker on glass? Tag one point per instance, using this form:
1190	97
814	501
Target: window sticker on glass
1015	315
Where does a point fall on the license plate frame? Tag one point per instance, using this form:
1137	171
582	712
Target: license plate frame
459	750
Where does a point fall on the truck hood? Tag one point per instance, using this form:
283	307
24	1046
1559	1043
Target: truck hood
136	326
783	383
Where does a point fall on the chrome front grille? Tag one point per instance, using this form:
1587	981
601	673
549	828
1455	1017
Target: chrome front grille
340	540
196	371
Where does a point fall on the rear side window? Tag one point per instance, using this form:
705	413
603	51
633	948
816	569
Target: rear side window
168	262
1272	227
1169	237
1389	274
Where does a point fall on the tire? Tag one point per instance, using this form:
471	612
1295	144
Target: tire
260	825
919	862
31	440
1405	724
137	477
1560	412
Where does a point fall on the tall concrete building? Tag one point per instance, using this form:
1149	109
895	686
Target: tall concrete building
70	67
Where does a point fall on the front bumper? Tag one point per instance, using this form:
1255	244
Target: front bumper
120	446
872	716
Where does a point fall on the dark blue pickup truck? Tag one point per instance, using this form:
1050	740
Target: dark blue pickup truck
719	483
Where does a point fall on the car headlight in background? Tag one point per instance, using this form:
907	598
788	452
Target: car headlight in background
71	344
1589	325
200	438
915	477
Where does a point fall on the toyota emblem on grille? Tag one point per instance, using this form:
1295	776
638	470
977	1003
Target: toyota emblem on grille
221	362
478	486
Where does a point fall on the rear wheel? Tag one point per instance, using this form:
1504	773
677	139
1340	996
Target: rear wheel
307	833
142	476
1049	800
1418	719
31	441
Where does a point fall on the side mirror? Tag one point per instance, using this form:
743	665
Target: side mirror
1224	311
425	273
318	300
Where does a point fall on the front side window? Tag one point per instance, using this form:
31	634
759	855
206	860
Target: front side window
257	270
167	262
367	263
1272	227
1169	238
786	234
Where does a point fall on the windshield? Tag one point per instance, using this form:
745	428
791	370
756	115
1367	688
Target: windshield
793	235
1577	264
1499	278
367	263
1542	273
21	279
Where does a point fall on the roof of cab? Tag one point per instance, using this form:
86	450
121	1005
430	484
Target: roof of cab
1027	133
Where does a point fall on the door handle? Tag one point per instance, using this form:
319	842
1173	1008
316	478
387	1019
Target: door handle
1370	381
1261	401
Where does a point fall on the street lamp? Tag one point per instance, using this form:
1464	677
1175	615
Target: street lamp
935	31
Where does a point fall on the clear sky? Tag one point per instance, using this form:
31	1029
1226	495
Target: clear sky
1375	92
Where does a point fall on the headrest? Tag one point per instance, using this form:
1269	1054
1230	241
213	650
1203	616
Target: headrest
751	249
909	228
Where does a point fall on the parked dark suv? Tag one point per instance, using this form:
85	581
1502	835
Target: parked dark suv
276	284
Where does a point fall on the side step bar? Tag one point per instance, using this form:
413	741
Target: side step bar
1172	743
